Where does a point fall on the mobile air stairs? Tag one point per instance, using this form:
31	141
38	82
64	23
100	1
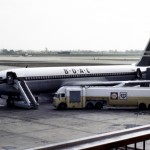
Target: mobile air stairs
26	98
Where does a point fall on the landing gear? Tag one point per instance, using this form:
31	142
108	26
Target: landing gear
10	102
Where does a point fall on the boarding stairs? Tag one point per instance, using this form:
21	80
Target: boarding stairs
27	100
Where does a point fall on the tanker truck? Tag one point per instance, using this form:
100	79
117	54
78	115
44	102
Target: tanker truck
125	94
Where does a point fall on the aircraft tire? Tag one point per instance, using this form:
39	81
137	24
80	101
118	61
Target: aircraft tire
10	102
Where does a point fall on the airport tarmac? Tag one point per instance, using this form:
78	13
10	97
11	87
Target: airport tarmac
27	128
23	128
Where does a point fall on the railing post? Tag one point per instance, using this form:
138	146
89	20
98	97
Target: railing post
135	146
144	145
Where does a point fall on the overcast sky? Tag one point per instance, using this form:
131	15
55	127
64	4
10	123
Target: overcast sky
74	24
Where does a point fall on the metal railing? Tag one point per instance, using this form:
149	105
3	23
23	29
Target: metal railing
118	140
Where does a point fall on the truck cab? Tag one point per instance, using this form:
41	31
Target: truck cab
69	97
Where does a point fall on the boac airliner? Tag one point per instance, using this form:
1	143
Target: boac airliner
19	86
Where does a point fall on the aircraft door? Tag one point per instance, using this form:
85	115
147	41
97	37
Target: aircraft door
11	76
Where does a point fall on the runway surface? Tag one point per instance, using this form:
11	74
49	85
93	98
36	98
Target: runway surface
66	61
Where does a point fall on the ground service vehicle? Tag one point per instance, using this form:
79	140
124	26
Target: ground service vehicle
134	94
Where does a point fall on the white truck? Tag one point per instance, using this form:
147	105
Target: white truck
128	93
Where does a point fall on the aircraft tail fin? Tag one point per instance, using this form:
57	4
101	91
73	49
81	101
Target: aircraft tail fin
145	59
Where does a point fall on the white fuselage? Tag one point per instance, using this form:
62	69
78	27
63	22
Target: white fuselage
65	71
48	79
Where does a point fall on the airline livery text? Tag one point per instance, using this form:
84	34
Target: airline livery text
76	71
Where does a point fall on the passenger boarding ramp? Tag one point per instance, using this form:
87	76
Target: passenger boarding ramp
127	139
28	100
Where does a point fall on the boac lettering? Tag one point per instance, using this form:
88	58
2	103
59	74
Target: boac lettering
66	71
81	71
87	70
74	71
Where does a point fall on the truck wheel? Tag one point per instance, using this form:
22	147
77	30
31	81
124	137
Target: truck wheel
89	106
98	105
62	106
142	106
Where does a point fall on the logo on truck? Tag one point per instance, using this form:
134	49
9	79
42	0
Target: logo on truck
114	95
123	95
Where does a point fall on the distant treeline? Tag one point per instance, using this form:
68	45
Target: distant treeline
69	52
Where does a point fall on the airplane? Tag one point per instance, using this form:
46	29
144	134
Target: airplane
19	86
